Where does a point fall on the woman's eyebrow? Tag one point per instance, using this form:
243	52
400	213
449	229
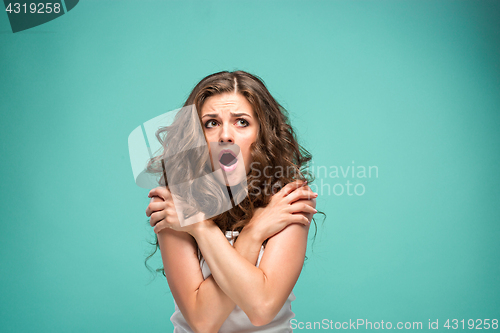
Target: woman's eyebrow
215	115
240	114
211	115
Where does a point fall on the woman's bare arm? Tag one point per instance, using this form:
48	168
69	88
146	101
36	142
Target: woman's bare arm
259	292
198	298
203	304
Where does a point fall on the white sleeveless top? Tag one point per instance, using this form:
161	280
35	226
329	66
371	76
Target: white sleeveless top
238	320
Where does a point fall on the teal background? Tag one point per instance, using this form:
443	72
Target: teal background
412	87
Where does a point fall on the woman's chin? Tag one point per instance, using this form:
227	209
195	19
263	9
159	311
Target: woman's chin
231	181
235	182
234	178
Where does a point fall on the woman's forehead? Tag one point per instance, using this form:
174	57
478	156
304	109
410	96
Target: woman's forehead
227	103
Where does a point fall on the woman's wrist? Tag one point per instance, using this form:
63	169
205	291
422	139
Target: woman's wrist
248	245
251	233
201	227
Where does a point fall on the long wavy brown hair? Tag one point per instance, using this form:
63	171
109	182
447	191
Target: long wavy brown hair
276	150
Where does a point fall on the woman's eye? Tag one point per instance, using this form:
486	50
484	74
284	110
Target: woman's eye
210	123
243	122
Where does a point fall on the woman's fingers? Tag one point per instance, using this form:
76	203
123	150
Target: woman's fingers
301	193
302	208
161	209
161	226
299	218
155	206
157	217
290	187
161	192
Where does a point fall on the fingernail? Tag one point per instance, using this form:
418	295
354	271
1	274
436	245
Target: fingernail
315	194
315	210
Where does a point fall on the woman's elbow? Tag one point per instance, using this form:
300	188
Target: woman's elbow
263	315
260	321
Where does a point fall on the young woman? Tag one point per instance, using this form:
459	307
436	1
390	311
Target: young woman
234	272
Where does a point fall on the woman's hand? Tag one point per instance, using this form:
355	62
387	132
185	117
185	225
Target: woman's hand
163	213
294	203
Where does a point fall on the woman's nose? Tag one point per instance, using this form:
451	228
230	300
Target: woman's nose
226	135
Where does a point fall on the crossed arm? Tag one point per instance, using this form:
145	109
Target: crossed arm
259	291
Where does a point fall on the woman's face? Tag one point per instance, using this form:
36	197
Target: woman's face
230	127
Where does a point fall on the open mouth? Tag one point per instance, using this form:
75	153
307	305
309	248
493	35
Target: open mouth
227	160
